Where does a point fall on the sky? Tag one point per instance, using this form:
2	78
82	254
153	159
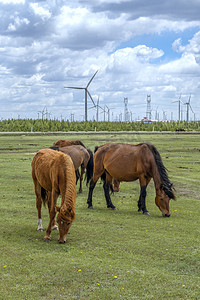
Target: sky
142	50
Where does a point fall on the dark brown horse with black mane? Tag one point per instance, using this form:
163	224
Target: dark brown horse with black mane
53	175
126	162
81	157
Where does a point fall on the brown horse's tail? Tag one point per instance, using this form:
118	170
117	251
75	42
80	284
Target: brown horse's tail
167	185
89	168
44	196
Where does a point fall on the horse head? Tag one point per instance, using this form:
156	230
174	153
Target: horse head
163	196
64	220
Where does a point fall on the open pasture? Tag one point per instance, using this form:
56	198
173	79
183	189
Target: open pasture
108	254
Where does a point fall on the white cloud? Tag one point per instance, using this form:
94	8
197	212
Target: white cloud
12	1
46	45
18	22
41	11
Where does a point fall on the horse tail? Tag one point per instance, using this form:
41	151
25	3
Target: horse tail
90	167
44	196
167	185
80	143
96	148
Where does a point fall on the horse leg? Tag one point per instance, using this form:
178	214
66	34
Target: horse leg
38	203
106	187
91	188
142	199
52	214
81	178
77	175
142	202
54	226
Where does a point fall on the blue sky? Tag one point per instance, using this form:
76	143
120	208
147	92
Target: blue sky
162	41
140	48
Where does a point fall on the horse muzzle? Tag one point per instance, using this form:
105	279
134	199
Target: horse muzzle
61	242
166	215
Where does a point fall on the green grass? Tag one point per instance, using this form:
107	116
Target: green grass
108	254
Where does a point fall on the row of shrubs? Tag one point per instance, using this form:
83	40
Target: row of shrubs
39	125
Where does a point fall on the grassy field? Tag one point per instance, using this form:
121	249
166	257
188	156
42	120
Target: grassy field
108	254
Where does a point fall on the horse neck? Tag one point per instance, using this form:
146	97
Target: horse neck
68	191
156	176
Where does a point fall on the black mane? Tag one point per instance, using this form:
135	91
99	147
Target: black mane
167	186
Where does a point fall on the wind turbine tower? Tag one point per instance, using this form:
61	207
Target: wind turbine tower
148	112
126	114
179	107
87	93
188	107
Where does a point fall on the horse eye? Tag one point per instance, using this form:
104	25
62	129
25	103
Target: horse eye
68	223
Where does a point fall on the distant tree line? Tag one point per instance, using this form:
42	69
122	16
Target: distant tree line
39	125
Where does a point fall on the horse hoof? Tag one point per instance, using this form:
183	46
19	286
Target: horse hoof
91	207
112	207
40	229
146	213
55	227
140	210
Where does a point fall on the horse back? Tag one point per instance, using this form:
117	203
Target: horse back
48	166
124	162
63	143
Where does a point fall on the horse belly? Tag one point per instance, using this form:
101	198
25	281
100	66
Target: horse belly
122	173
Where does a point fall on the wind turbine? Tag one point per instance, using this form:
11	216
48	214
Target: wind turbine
97	106
188	107
179	106
87	93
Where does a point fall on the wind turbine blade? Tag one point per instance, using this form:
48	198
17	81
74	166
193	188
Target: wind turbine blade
100	107
191	108
92	107
91	98
91	79
74	87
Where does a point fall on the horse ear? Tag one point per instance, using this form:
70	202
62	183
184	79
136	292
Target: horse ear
58	208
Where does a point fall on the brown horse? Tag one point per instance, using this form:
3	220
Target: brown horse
53	174
63	143
126	162
81	157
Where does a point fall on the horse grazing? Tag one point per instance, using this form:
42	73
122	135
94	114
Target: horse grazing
53	175
126	162
63	143
81	157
